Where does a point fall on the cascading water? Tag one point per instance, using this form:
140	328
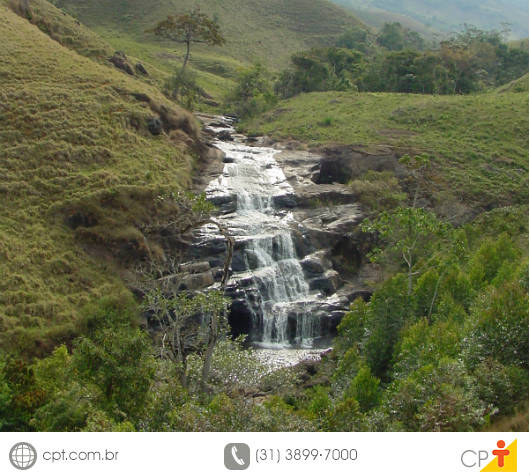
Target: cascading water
282	314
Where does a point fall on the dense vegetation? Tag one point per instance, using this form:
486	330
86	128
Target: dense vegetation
449	353
90	193
470	61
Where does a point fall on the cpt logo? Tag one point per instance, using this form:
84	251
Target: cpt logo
505	458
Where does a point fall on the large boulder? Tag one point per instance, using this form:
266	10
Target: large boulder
316	263
197	281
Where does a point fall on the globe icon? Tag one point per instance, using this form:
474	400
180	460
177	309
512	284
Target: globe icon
23	456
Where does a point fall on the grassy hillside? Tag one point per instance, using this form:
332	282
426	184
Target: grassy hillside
63	28
479	143
450	15
72	34
79	173
518	85
268	32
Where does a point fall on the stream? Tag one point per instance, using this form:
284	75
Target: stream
255	204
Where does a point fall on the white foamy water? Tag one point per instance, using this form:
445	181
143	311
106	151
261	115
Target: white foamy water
285	357
254	179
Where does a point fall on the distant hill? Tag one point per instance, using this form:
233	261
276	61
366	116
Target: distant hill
256	30
448	15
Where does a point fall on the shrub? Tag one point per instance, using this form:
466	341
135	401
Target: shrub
252	94
364	388
437	397
378	191
500	328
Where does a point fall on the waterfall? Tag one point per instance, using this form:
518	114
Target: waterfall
253	178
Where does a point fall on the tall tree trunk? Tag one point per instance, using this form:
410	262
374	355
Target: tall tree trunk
212	341
409	282
435	295
214	322
187	57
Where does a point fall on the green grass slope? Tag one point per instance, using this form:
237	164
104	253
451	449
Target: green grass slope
72	34
268	32
64	29
479	143
517	85
79	173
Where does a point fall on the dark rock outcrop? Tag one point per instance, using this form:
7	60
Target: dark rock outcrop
121	62
225	136
155	126
140	69
340	164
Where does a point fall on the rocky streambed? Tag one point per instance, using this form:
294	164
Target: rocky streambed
296	266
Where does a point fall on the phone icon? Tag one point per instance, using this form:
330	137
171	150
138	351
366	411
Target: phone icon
237	456
238	460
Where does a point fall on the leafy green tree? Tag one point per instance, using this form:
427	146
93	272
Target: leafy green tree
466	62
69	408
114	357
500	329
235	367
391	37
389	311
500	386
394	37
365	389
409	235
185	322
319	401
457	285
422	344
188	28
399	73
437	397
432	77
351	328
462	67
321	69
513	64
355	38
253	93
347	368
19	393
425	293
344	416
489	259
5	398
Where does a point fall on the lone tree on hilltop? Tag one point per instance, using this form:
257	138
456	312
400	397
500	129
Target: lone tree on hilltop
188	28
